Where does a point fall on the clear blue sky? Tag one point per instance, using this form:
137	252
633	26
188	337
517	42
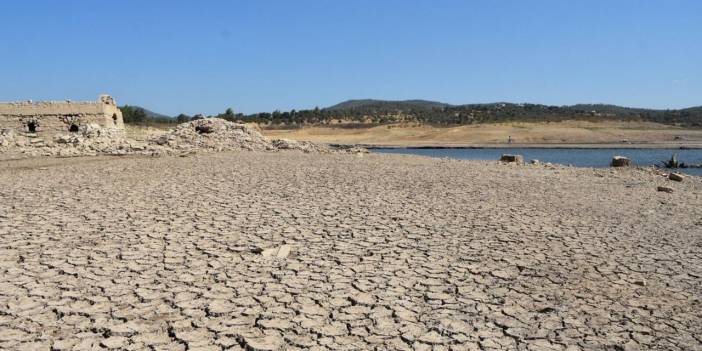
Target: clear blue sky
204	56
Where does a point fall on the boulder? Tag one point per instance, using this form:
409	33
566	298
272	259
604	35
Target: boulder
512	158
676	177
665	189
620	161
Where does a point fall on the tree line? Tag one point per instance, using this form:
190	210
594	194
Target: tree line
383	113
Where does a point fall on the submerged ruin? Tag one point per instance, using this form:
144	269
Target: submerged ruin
44	119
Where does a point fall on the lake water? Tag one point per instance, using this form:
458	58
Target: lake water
575	157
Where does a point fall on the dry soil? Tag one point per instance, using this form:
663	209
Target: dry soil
386	252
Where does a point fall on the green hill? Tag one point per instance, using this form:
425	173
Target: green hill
437	113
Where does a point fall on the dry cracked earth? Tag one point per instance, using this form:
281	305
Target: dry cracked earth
386	252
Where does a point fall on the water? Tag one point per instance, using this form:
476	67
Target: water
575	157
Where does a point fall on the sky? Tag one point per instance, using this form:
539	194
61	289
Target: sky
179	56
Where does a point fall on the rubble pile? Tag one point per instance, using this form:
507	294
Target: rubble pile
304	146
211	134
93	140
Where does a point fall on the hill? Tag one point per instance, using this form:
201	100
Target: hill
137	114
370	112
403	105
354	113
151	114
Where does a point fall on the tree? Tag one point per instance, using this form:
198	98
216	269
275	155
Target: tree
132	114
182	118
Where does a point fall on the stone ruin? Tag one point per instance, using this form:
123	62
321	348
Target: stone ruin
35	123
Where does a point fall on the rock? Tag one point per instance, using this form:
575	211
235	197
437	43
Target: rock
204	129
278	252
665	189
535	162
512	158
676	177
64	139
620	161
269	252
284	251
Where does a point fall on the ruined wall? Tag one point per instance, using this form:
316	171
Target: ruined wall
51	117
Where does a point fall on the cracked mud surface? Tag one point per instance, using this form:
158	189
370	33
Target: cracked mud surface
387	252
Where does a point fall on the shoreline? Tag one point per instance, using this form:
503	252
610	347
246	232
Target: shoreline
532	146
565	135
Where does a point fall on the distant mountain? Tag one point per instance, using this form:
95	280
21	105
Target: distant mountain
387	104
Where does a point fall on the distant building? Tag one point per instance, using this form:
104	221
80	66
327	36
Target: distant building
46	118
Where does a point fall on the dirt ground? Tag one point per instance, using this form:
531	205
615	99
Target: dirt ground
272	251
615	134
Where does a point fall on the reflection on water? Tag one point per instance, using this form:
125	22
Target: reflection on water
575	157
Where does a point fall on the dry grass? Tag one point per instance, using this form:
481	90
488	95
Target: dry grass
569	132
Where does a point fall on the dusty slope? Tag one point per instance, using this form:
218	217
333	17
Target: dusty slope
388	252
573	132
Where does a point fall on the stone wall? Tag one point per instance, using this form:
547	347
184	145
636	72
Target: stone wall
52	117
